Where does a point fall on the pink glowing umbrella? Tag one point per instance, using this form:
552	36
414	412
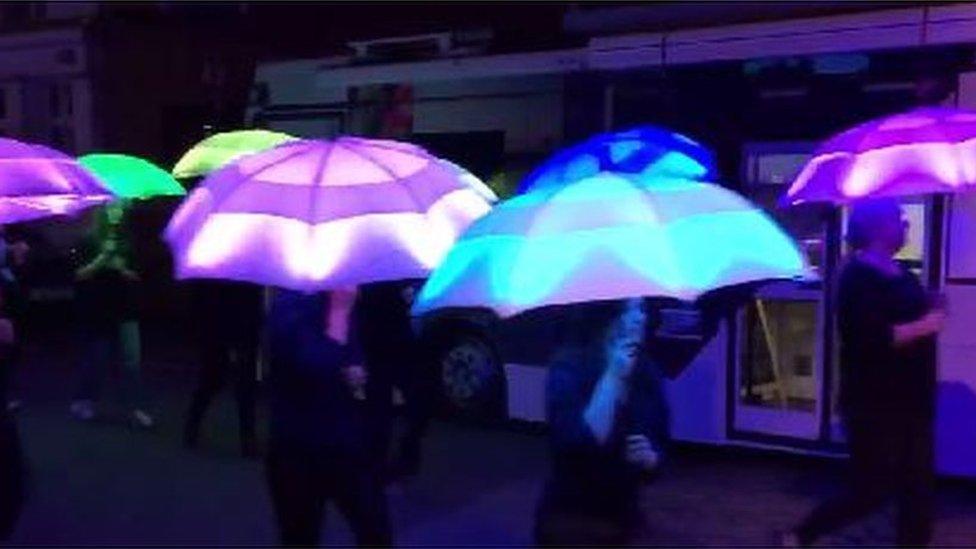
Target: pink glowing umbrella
313	215
36	182
927	150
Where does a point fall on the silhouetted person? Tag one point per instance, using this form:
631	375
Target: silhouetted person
394	359
608	424
11	457
319	447
227	321
108	311
13	256
888	325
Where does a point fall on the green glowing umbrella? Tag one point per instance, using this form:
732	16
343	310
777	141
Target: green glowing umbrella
220	149
131	177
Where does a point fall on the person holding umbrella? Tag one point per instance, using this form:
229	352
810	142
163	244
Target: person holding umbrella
228	319
371	211
617	238
107	286
11	456
394	358
319	445
608	424
13	256
888	326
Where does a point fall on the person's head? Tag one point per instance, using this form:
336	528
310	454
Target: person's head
114	212
624	335
877	225
108	222
605	328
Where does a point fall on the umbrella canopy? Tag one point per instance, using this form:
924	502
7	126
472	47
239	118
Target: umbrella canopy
37	182
645	150
610	237
131	177
315	214
927	150
220	149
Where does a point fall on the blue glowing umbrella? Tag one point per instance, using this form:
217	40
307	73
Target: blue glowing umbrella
645	150
611	237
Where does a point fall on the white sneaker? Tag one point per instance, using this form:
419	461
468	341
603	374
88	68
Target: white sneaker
83	410
143	420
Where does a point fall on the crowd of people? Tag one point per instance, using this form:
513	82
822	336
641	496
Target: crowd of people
335	358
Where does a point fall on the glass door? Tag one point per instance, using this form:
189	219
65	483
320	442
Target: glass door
778	382
779	374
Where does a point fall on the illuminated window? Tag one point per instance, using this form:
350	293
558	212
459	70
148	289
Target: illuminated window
778	363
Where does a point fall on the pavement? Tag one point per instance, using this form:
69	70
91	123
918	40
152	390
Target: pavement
105	484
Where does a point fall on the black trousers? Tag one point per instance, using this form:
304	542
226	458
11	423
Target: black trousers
891	458
12	473
301	484
221	359
418	387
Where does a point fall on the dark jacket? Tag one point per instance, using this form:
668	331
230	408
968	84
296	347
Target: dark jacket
312	406
588	477
226	311
878	378
383	323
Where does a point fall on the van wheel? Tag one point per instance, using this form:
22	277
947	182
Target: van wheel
472	380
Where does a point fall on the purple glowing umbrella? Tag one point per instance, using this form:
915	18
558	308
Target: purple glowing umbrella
37	182
312	215
927	150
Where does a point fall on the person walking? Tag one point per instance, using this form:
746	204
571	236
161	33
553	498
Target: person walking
12	469
888	325
13	257
227	320
107	286
394	359
319	444
608	425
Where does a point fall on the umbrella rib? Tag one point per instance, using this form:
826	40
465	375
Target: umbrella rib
319	175
388	171
217	204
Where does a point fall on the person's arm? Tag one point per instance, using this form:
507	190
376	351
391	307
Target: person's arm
89	269
570	397
649	429
102	258
864	315
601	411
929	325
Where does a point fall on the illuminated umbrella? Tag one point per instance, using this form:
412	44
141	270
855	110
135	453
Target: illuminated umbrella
927	150
130	177
220	149
316	214
37	182
645	150
610	237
